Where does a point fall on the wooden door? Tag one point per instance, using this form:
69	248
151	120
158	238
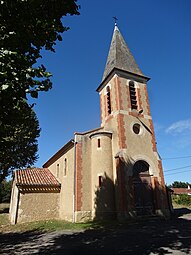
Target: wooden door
143	196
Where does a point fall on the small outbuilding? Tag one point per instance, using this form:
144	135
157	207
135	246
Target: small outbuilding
35	195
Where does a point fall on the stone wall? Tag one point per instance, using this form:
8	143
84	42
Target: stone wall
38	206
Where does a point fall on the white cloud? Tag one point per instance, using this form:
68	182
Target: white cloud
179	127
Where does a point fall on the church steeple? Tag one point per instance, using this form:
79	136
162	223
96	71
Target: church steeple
120	56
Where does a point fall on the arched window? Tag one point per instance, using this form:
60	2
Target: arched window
100	180
140	166
57	170
108	100
98	143
65	166
133	96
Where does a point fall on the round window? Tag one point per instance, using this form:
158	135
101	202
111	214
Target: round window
137	128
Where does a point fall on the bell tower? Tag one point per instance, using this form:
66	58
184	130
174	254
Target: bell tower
125	111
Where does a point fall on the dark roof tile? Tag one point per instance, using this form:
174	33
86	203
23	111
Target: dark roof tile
120	56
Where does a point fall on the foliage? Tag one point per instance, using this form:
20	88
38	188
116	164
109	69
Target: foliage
19	131
5	191
182	199
178	184
26	27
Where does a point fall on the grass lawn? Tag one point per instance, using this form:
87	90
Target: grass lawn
4	220
4	208
46	225
53	225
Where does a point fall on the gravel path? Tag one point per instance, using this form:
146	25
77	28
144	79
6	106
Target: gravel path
145	238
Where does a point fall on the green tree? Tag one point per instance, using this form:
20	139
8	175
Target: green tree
26	27
178	184
5	191
19	135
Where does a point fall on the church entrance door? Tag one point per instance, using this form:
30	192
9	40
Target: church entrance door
143	193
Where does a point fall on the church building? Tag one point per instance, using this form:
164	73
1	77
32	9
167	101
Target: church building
111	172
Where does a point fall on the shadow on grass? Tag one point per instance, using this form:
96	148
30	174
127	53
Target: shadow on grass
4	210
154	236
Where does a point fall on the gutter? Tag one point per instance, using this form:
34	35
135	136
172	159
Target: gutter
74	188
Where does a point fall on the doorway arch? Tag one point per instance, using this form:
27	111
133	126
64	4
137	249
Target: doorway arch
143	193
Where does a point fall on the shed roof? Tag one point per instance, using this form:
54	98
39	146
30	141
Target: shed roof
36	177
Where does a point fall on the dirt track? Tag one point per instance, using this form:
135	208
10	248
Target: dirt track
148	237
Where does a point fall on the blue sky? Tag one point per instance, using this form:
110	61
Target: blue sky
159	36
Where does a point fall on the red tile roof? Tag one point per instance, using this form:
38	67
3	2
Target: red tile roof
181	190
36	177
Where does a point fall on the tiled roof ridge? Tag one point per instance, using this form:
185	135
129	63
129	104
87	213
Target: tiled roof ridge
35	177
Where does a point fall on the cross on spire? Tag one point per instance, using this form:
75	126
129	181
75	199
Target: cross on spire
115	18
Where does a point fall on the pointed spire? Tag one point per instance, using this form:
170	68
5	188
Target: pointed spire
120	56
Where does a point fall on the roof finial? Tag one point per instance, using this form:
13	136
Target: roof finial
115	18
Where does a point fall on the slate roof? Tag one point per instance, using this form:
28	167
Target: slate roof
36	177
120	56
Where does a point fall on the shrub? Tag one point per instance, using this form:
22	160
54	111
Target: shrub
5	191
182	199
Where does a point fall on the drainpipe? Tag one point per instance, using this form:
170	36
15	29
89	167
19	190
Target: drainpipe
17	205
74	188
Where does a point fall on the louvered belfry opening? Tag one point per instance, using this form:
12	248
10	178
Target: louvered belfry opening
133	96
108	100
